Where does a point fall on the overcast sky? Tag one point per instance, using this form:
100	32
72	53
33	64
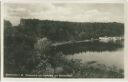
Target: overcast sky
76	12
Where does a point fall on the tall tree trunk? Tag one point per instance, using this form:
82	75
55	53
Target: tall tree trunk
54	71
42	74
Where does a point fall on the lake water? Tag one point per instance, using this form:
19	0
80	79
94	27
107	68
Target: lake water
109	58
108	53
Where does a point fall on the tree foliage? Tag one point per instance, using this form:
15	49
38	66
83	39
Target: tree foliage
65	31
28	46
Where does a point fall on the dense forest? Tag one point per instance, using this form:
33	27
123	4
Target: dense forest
65	31
27	46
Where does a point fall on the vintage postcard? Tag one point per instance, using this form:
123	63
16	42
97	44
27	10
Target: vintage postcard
61	39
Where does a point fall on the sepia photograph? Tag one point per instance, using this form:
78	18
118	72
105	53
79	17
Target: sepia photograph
63	40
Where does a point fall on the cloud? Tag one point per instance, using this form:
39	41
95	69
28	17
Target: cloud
76	12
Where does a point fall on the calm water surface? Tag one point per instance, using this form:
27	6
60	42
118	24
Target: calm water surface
108	58
108	53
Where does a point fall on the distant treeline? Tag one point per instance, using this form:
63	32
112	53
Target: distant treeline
65	31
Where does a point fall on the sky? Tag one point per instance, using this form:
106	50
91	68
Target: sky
74	12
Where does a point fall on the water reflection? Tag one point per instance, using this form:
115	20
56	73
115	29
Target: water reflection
110	53
93	46
115	58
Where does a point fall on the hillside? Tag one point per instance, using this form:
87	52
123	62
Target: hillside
66	31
